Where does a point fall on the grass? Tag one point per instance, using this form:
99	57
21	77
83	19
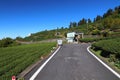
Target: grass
106	60
13	60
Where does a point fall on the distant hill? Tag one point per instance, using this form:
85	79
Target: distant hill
106	25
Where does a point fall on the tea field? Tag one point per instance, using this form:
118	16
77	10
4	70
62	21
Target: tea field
109	49
14	60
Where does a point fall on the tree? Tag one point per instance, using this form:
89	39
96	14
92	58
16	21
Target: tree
108	23
72	24
62	27
89	20
109	12
116	24
19	38
6	42
117	10
81	22
98	18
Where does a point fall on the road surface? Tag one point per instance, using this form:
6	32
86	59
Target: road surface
73	62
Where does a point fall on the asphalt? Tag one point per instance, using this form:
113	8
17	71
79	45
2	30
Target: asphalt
73	62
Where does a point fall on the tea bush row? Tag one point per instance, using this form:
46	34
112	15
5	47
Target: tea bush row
14	60
111	46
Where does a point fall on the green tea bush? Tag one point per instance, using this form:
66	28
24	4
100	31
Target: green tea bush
90	39
108	47
13	60
95	39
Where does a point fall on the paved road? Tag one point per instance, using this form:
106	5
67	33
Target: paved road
73	62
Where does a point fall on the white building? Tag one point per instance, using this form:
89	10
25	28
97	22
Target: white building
74	37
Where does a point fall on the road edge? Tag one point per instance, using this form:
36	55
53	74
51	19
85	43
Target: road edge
43	65
109	68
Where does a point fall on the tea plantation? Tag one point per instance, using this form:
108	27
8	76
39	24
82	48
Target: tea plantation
110	49
14	60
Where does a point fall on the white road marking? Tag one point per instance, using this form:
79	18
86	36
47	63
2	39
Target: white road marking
114	72
43	65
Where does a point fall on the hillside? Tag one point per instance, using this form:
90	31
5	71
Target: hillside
106	25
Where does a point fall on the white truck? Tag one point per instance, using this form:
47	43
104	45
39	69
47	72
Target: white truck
59	42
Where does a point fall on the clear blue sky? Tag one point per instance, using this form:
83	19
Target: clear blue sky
21	17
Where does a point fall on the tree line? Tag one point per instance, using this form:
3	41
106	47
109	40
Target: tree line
109	22
105	25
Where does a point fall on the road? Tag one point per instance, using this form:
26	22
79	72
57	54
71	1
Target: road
73	62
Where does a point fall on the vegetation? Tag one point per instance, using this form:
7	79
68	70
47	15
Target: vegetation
14	60
95	39
106	26
109	49
6	42
90	39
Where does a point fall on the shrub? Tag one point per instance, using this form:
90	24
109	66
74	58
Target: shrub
96	32
13	60
95	39
6	42
108	47
90	39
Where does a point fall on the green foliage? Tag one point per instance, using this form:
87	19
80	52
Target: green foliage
14	60
98	18
116	34
44	35
108	47
72	24
95	39
5	42
102	25
19	38
96	32
111	23
108	13
90	39
8	42
89	21
117	64
105	33
82	22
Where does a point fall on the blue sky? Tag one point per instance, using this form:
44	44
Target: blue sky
21	17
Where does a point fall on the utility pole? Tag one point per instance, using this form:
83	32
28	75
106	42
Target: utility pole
56	32
87	26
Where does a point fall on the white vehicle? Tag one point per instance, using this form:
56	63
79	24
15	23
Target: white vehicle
59	42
